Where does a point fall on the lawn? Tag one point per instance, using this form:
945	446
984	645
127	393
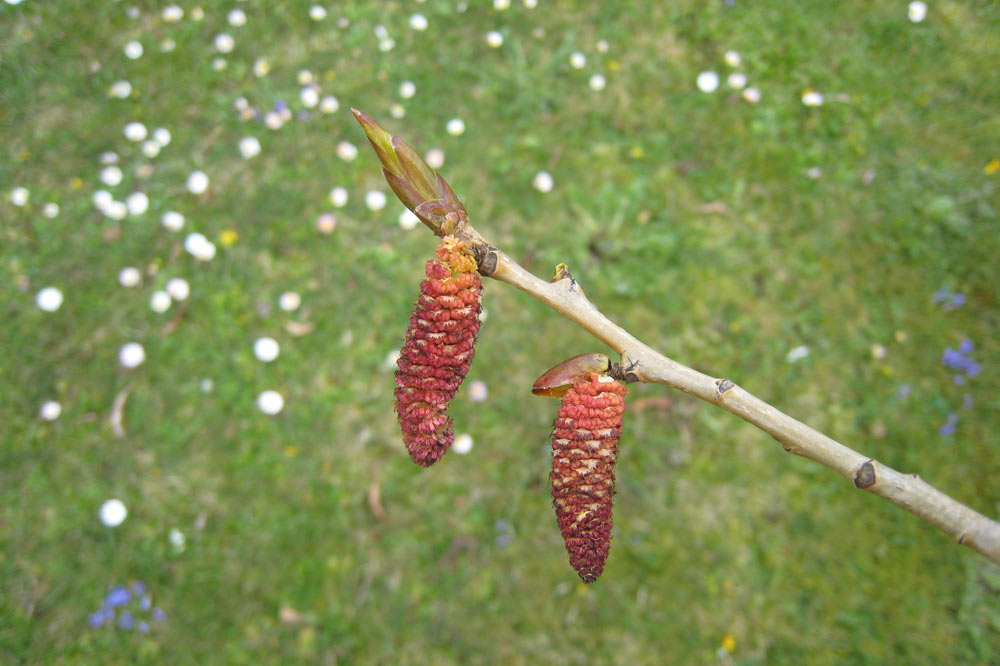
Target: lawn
820	229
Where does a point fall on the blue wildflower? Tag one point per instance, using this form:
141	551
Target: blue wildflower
958	300
101	617
117	596
280	106
967	401
941	295
959	380
138	587
125	620
965	346
158	614
949	427
972	368
145	602
143	627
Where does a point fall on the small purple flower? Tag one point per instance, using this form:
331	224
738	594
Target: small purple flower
959	380
125	620
145	603
280	106
117	596
967	401
100	618
965	346
143	627
958	300
949	427
158	614
941	295
503	540
972	368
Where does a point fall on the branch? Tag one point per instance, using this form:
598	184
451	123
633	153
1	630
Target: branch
439	209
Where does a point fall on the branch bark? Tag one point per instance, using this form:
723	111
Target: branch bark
566	296
428	195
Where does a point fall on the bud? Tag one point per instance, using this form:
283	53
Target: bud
438	350
584	448
556	381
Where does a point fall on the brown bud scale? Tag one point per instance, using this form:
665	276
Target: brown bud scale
437	351
584	448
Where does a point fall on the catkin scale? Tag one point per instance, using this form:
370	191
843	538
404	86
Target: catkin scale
438	348
584	448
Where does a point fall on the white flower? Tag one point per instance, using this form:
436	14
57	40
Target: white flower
305	77
309	96
241	104
19	196
347	151
501	5
317	13
751	95
602	45
249	147
273	121
135	131
812	98
109	157
387	45
462	444
50	410
50	210
197	182
129	276
167	45
161	135
151	148
733	58
494	39
396	110
418	22
237	18
121	89
137	202
131	355
266	349
289	301
814	172
407	220
917	11
219	64
261	67
577	60
737	80
224	42
375	200
434	158
543	181
176	539
178	288
326	223
116	210
133	50
797	353
172	220
206	385
199	247
338	197
102	199
197	14
456	127
113	513
172	13
49	299
530	4
270	402
407	89
597	82
160	301
329	104
111	175
708	81
380	31
478	391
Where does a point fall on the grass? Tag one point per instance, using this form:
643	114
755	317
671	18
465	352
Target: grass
690	218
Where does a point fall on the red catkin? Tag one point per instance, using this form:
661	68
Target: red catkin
437	351
584	448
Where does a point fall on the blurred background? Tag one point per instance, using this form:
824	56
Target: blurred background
205	282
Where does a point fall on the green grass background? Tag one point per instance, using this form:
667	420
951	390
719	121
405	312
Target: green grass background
689	219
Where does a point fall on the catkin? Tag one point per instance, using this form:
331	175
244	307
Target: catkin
438	349
584	448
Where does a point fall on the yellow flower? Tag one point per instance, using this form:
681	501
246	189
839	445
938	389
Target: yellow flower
992	167
290	451
614	66
728	643
636	152
228	237
76	183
